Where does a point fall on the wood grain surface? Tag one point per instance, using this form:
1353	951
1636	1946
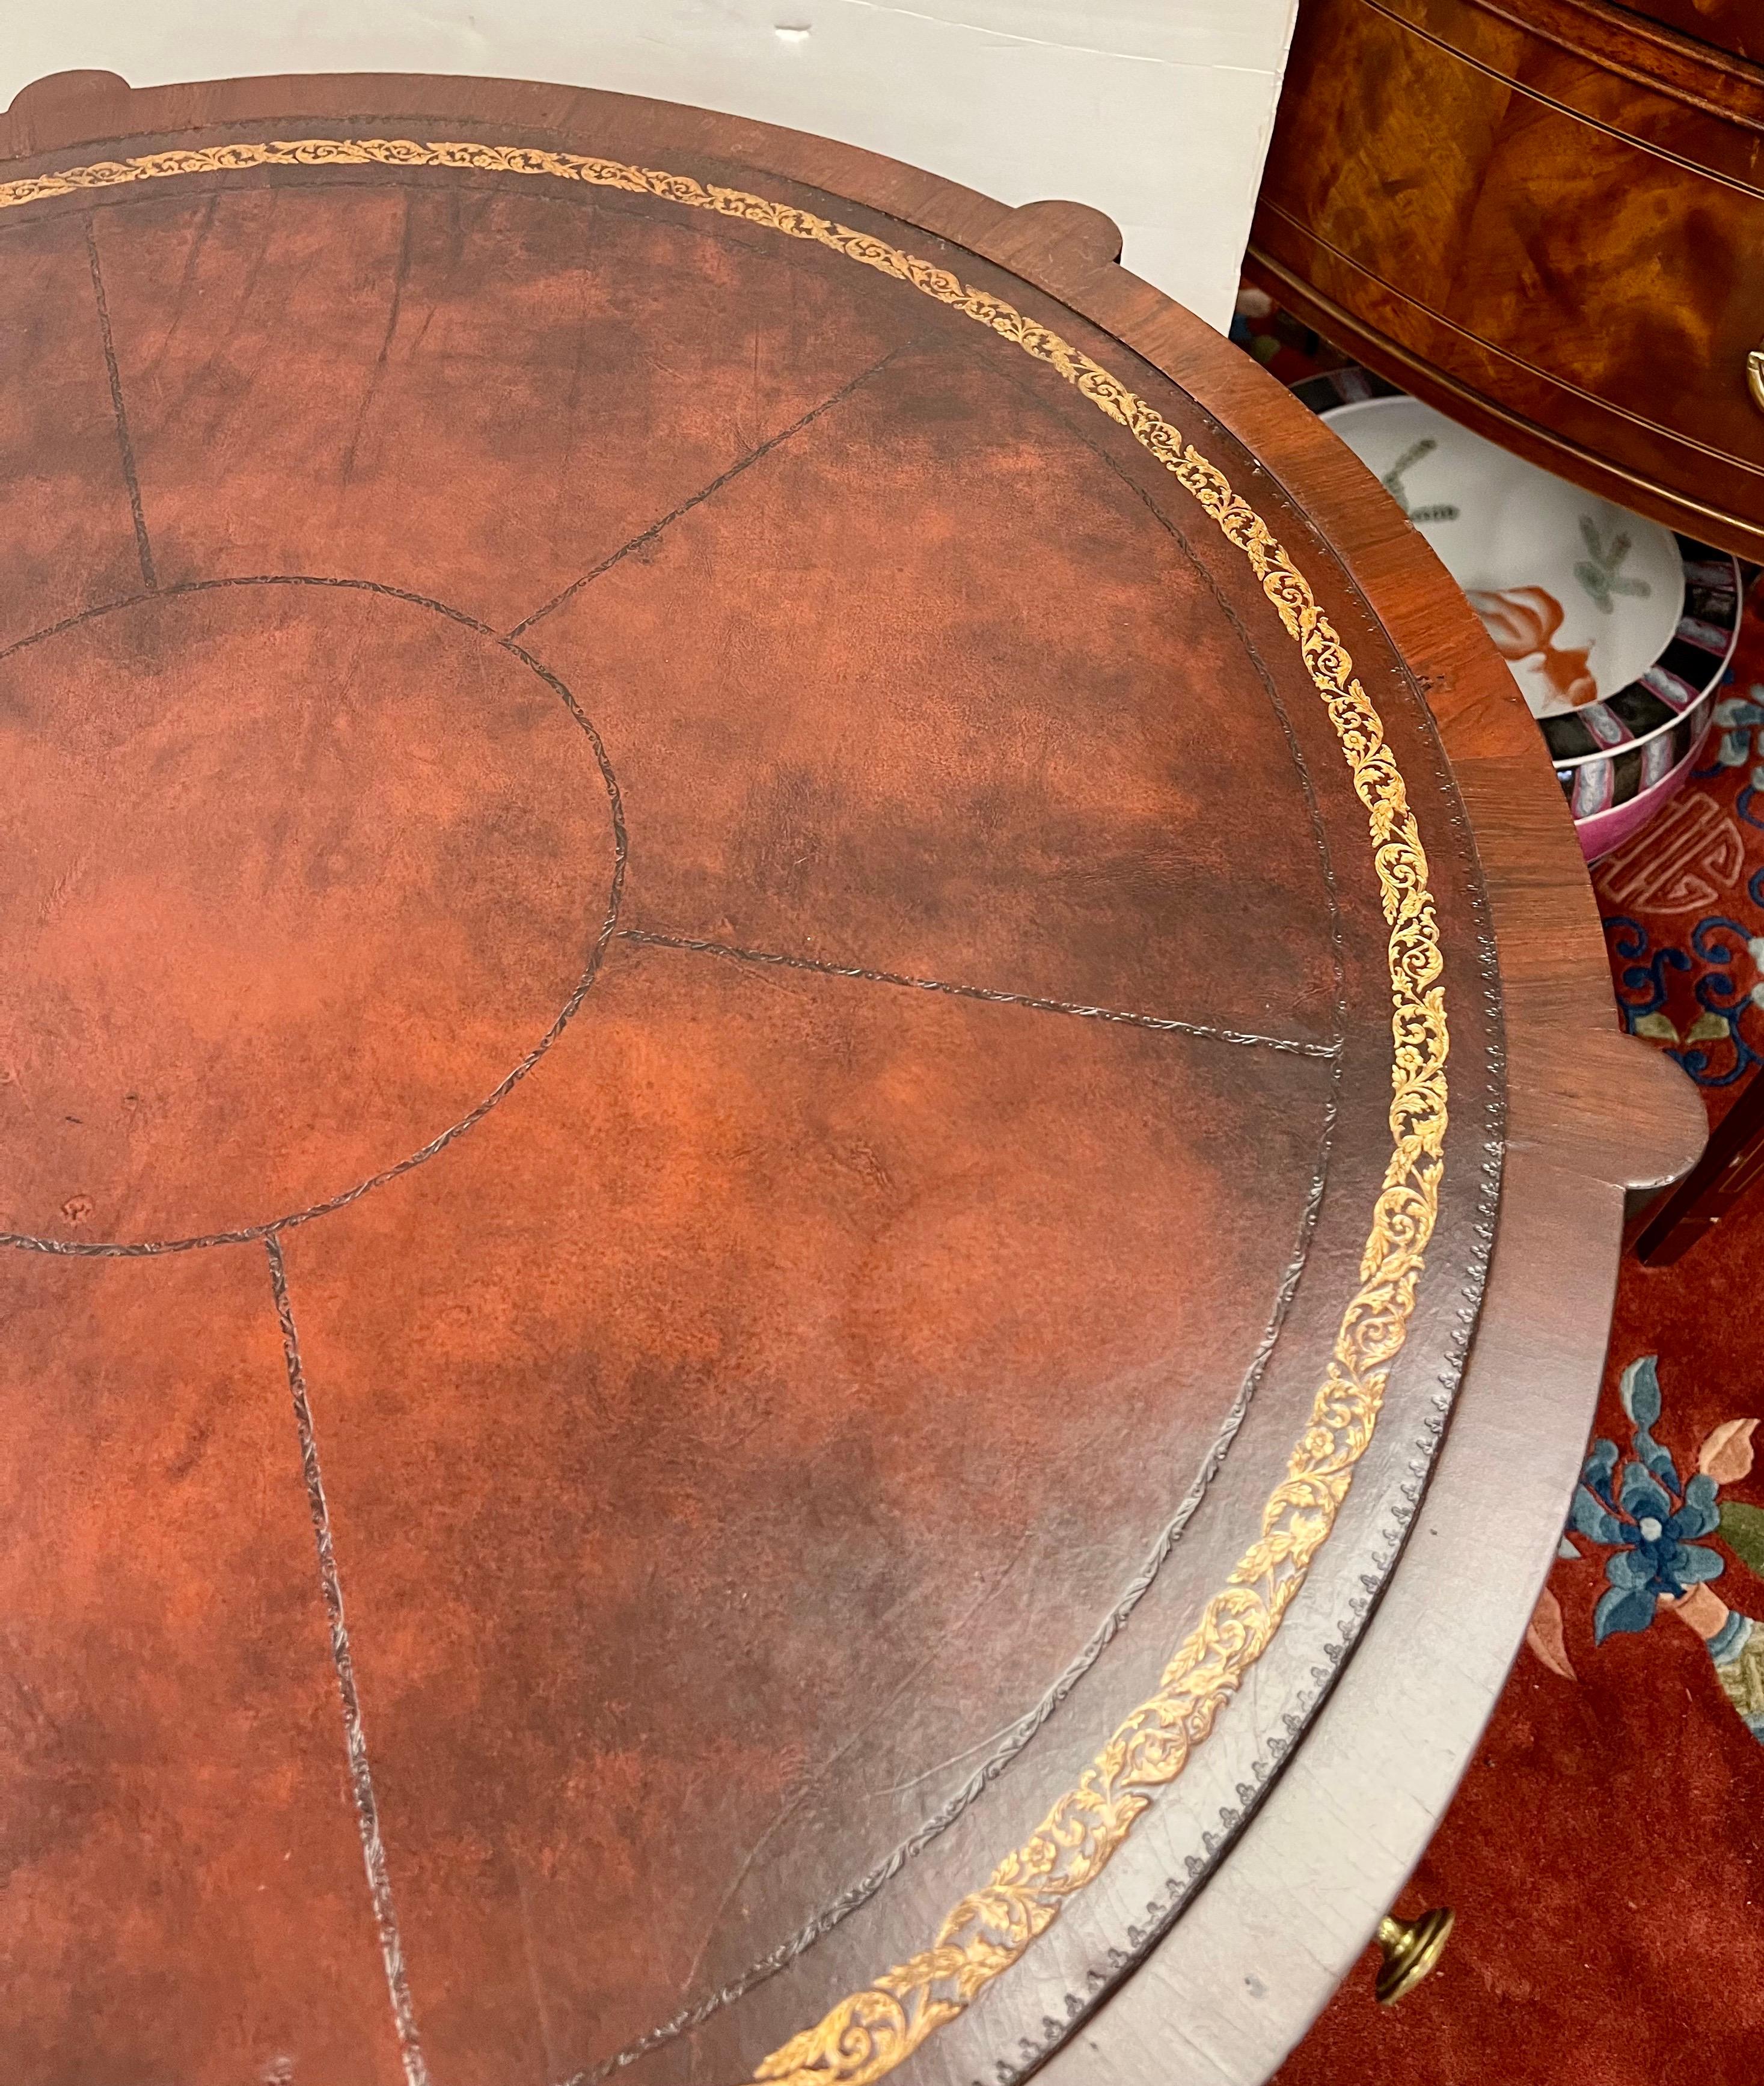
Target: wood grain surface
701	1048
1730	25
1542	216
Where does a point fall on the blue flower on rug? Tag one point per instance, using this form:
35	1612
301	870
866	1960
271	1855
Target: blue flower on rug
1638	1507
1649	1522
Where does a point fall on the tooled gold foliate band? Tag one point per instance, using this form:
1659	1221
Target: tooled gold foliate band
866	2035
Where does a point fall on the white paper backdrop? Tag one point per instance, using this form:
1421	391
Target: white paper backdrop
1156	111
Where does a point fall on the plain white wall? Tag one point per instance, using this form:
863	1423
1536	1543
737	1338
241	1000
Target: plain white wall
1156	111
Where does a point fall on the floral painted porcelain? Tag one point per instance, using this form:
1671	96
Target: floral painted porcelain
1580	596
1618	632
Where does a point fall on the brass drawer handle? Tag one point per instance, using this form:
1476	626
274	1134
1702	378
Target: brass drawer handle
1411	1947
1754	375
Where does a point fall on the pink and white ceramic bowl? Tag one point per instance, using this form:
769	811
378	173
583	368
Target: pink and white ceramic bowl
1602	832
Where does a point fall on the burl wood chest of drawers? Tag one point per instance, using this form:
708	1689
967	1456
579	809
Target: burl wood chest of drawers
1546	217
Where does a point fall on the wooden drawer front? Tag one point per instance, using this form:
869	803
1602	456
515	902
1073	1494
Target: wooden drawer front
1542	258
1730	25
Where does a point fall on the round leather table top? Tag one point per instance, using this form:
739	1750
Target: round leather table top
739	1220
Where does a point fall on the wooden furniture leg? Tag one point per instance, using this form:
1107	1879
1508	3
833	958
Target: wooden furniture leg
1731	1162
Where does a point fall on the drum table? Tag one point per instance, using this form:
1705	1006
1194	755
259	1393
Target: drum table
812	1140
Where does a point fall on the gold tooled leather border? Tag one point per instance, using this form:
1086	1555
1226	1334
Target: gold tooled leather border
870	2032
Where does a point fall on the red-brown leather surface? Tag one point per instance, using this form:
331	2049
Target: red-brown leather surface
64	530
184	1896
647	872
283	926
762	1293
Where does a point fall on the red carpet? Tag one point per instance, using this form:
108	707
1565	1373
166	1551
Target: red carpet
1605	1854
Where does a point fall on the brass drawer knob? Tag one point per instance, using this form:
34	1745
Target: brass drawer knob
1411	1947
1754	377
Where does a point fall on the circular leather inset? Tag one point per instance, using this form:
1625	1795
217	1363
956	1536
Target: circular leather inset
301	874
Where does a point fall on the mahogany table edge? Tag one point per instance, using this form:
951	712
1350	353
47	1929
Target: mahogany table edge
1590	1112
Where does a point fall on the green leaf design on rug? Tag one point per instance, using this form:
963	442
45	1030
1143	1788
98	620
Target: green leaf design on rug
1658	1026
1742	1530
